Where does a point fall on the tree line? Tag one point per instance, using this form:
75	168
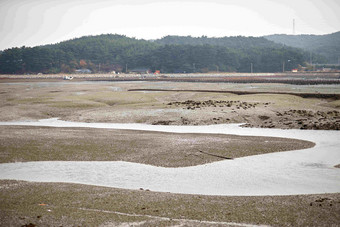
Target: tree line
111	52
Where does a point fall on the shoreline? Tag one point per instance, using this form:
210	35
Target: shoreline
304	78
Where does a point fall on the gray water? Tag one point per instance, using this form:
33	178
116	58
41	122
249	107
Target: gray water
307	171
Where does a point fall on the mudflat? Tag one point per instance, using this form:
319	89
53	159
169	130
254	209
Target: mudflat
35	204
60	204
172	103
27	143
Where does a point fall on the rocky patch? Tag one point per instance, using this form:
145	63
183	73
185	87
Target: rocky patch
307	119
325	202
300	119
192	105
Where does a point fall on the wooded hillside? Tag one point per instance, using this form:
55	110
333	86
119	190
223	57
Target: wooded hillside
325	45
171	54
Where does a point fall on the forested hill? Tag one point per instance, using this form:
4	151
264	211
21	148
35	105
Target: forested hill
106	53
326	45
236	42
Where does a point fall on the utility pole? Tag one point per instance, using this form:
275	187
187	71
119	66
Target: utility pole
283	66
126	68
251	67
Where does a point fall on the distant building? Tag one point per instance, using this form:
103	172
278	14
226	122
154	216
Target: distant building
326	69
140	70
83	71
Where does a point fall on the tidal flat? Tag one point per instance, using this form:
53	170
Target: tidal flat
66	204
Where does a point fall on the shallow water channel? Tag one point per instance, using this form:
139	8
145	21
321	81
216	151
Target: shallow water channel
305	171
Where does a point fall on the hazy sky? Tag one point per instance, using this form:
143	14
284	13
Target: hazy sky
38	22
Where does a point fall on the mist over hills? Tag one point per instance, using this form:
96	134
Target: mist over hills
171	54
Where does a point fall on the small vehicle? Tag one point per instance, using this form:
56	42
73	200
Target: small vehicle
68	77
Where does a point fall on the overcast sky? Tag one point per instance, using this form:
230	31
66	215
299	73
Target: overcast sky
38	22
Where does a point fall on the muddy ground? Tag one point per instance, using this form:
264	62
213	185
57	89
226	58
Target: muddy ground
50	204
115	102
25	143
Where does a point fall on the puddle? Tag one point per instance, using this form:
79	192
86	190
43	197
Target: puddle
308	171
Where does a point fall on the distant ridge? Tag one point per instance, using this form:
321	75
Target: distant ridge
325	45
238	42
